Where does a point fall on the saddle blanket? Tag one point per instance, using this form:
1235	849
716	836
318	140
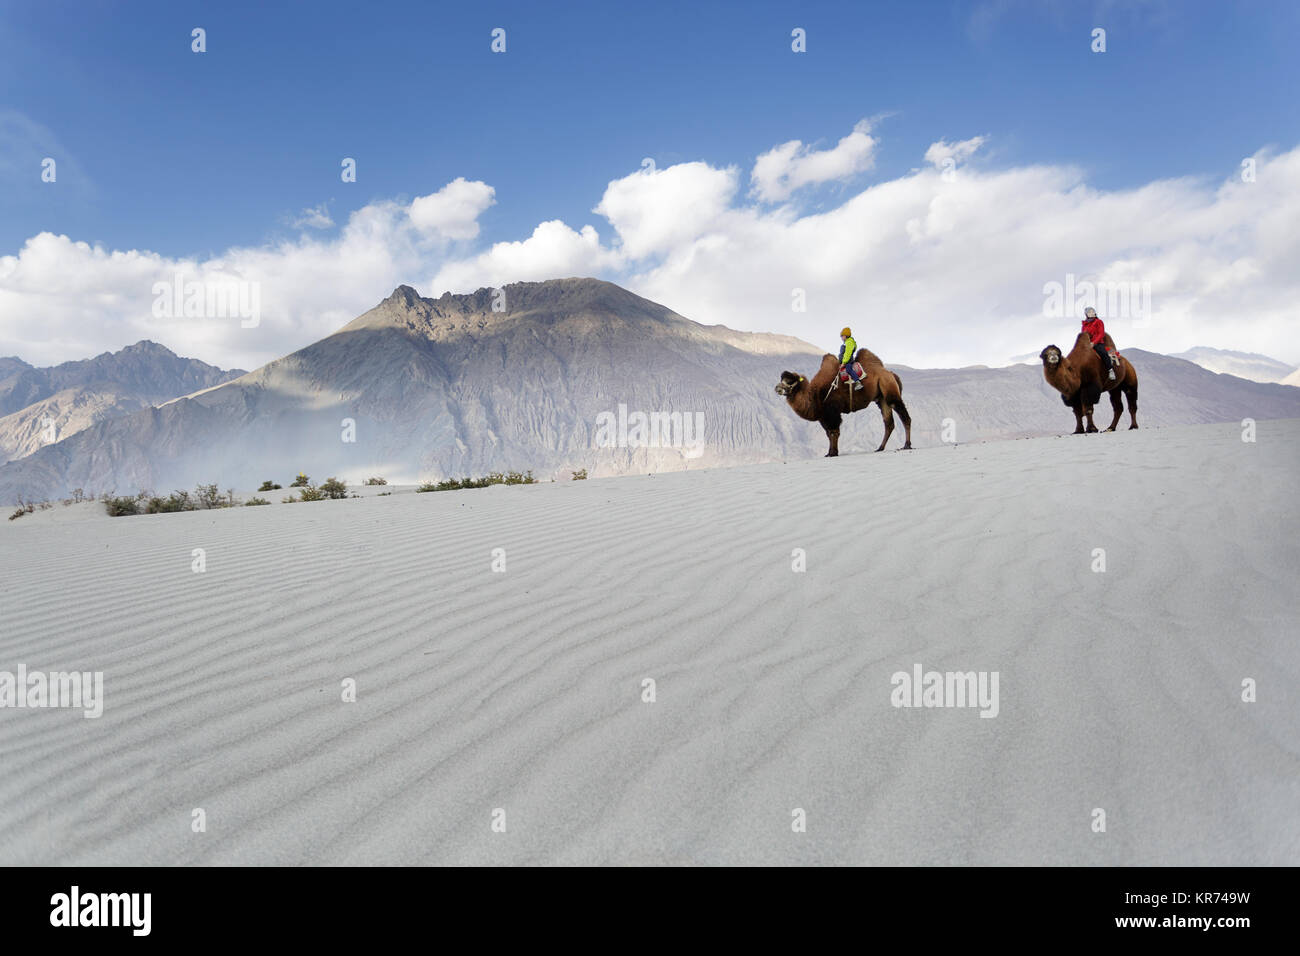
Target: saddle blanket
857	368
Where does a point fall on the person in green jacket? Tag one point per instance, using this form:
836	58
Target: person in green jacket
847	351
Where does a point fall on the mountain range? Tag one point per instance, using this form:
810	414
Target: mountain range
38	405
1248	365
523	378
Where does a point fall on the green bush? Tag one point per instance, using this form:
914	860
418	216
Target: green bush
302	481
311	493
207	496
376	481
176	501
495	478
333	488
117	507
269	485
255	501
449	484
288	500
580	474
147	503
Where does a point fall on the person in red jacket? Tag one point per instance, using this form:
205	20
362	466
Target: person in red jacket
1097	334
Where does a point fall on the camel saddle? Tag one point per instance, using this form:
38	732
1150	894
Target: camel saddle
857	367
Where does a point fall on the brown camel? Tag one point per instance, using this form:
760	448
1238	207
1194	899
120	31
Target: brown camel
811	400
1080	380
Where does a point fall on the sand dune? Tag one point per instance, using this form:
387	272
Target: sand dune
522	690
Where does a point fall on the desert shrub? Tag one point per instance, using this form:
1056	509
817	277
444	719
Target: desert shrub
45	506
79	495
288	500
376	481
302	481
448	484
580	474
383	494
207	496
176	501
251	502
333	488
494	478
269	485
311	493
18	513
117	507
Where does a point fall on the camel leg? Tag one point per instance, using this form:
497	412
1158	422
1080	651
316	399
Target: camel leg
887	415
1087	411
907	422
831	423
1117	404
1132	392
1077	408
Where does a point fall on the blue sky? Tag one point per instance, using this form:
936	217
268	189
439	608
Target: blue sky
187	155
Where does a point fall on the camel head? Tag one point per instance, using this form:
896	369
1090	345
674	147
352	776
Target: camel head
789	384
1051	356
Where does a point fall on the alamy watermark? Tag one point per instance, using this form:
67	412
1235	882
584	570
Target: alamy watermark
684	430
946	689
210	299
1113	299
37	689
76	908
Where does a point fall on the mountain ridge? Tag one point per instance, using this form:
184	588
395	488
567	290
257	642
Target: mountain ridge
418	388
66	398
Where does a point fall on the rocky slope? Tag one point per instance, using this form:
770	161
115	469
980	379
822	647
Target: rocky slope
62	400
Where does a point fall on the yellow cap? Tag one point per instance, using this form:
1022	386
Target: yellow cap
845	331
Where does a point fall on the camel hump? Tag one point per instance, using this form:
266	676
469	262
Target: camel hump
868	357
826	374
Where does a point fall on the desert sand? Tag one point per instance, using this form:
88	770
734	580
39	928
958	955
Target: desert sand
522	690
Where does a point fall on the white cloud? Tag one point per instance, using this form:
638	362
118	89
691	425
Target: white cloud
928	270
957	152
951	273
314	217
61	299
658	210
554	250
781	171
452	212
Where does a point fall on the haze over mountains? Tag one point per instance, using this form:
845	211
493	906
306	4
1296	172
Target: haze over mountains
1248	365
64	399
420	388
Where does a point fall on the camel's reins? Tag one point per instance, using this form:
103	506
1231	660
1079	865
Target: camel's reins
835	383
